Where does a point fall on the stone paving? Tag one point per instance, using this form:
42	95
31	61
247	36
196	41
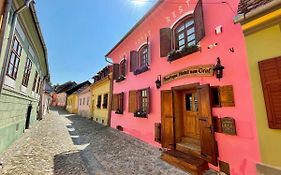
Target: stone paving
63	144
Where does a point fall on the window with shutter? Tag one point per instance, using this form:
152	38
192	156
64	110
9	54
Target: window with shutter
117	103
134	58
139	102
115	71
26	74
270	72
120	70
183	38
140	60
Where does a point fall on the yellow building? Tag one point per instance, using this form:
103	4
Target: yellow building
101	91
72	97
261	25
72	103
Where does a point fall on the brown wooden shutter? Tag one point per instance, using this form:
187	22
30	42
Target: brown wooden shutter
148	100
167	119
270	72
165	41
115	102
133	101
134	57
121	101
207	137
115	71
226	96
199	21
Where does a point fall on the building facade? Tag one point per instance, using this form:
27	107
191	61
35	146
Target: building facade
84	102
261	24
59	95
180	82
72	97
101	96
23	57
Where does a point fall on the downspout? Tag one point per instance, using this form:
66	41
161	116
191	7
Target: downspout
110	92
9	43
8	5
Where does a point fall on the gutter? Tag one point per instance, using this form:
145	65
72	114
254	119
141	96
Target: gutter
242	17
10	39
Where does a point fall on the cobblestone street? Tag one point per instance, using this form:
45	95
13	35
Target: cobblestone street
69	144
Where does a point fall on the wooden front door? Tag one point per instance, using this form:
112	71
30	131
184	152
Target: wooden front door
190	114
167	119
207	136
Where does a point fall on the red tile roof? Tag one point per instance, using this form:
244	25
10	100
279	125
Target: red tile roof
246	6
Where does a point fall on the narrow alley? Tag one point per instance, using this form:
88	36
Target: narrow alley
63	143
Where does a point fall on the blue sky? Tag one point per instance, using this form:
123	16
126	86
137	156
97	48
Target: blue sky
79	33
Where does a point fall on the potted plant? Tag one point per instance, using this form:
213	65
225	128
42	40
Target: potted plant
174	54
118	111
189	49
120	78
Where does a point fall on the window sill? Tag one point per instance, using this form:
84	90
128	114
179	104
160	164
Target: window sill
140	114
141	70
177	54
120	78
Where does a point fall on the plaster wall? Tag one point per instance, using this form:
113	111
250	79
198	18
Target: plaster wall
241	151
262	44
84	108
100	88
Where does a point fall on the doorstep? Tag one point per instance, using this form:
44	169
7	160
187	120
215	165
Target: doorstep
187	162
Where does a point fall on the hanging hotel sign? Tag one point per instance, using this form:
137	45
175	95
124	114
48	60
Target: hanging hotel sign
193	71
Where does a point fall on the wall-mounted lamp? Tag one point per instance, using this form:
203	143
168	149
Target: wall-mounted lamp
218	69
158	82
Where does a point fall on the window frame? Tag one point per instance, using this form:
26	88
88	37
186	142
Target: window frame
99	102
35	81
184	31
141	63
27	71
15	64
105	105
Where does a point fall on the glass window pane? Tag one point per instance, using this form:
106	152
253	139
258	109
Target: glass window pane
16	43
181	47
19	50
190	31
10	71
188	102
192	43
12	60
196	102
181	36
181	42
191	37
189	23
180	28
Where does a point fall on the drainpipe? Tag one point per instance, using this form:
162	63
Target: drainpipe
111	94
9	44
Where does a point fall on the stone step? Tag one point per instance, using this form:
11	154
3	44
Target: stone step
187	162
193	149
190	140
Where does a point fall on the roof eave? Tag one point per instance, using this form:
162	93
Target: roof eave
240	18
135	26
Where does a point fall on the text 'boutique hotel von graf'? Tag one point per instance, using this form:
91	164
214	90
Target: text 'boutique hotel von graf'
180	82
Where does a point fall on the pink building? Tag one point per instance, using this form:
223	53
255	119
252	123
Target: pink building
84	102
199	111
